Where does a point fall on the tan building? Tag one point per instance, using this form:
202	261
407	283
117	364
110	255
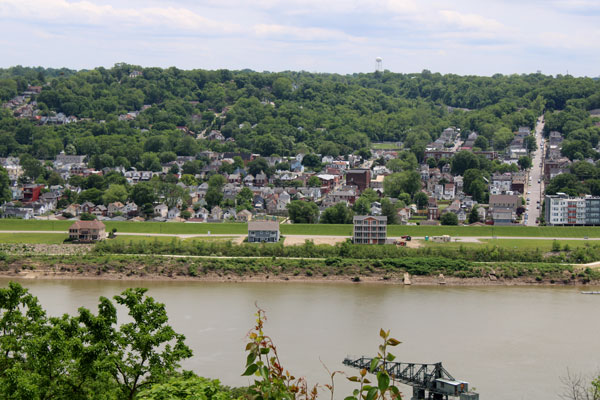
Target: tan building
87	231
369	229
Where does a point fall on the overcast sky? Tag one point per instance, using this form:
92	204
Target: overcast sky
479	37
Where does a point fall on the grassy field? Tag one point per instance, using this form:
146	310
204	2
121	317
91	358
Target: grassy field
530	244
166	239
45	238
308	229
384	146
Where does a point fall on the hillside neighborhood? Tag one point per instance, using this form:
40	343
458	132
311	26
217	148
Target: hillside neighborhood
244	194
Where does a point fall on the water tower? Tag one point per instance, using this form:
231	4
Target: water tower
378	64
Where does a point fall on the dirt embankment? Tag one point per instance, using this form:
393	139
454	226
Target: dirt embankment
180	270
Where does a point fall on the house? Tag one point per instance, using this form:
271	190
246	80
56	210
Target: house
87	231
99	210
243	216
73	209
502	215
505	201
201	213
161	210
9	211
260	179
87	207
263	231
173	213
249	180
31	193
130	209
216	214
369	229
114	208
230	214
359	177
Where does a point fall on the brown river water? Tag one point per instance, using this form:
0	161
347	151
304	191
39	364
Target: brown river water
507	342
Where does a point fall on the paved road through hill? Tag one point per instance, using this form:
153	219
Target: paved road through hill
535	188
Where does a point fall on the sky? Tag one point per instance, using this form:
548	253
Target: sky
466	37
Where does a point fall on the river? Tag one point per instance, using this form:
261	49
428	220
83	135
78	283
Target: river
507	342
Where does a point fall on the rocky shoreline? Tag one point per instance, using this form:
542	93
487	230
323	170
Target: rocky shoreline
267	278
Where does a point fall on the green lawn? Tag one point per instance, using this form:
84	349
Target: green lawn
309	229
166	239
45	238
529	244
384	146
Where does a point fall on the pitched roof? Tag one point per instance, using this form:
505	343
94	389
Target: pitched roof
95	224
263	226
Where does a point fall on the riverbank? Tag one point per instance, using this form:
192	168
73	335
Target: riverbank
154	268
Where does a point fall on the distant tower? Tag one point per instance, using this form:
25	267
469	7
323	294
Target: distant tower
378	64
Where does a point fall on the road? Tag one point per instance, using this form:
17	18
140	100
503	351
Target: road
535	188
323	238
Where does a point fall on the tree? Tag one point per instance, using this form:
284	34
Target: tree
337	214
190	168
185	214
312	161
257	166
463	161
92	195
303	212
524	162
139	353
143	193
217	181
449	218
150	162
115	193
481	142
32	168
244	196
389	210
188	180
529	143
473	215
186	387
213	197
314	181
402	182
578	386
84	216
421	200
362	206
5	193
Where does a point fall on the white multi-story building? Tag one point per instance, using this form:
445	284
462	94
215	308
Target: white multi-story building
560	209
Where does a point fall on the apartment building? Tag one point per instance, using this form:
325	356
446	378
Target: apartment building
370	229
561	209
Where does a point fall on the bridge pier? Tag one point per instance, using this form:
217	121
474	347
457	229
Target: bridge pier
418	394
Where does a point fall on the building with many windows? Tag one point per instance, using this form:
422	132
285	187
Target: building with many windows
561	209
370	229
87	231
263	231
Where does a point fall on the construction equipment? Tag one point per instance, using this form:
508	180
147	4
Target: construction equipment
430	379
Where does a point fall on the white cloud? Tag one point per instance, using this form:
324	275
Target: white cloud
87	12
276	31
470	21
